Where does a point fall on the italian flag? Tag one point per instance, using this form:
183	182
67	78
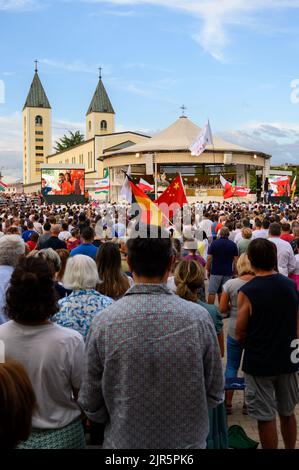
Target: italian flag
3	186
102	186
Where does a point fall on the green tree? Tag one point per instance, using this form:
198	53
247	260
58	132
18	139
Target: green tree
252	183
68	141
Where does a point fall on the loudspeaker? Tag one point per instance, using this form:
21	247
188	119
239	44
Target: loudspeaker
259	183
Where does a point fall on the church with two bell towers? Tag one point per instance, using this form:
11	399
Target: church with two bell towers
100	137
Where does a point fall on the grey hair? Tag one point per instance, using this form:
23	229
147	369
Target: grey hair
80	273
11	247
224	232
50	255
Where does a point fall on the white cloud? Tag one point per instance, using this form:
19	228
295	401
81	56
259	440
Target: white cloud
11	133
11	142
76	66
144	66
120	13
281	140
18	5
134	128
152	89
63	126
216	17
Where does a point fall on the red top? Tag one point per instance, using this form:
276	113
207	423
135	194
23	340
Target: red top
71	245
32	245
288	237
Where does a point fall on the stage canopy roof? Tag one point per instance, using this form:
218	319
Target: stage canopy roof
179	136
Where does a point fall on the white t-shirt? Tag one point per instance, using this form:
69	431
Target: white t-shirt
38	227
65	235
206	226
263	233
285	256
53	357
297	265
171	284
238	236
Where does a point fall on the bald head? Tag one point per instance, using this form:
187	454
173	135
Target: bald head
55	230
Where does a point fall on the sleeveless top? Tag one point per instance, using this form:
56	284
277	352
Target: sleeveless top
272	325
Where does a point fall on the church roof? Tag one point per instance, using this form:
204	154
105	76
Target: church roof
37	97
100	102
179	137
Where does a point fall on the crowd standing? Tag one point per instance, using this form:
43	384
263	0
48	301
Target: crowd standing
121	337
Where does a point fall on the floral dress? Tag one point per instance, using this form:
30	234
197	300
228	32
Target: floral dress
79	309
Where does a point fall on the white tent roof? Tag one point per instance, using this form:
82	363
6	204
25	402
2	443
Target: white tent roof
179	136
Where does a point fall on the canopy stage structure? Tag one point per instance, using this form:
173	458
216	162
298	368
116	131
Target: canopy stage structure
159	158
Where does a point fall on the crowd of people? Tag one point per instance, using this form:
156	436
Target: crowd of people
127	341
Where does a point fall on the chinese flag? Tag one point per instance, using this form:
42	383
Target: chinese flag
174	194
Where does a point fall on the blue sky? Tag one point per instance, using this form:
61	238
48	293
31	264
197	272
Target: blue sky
230	60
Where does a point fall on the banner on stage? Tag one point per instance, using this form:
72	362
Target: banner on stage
279	186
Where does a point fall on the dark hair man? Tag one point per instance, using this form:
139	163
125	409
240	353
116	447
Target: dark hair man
222	257
27	233
153	365
54	242
267	324
45	236
86	248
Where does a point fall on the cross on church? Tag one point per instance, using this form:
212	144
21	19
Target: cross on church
36	62
183	108
100	73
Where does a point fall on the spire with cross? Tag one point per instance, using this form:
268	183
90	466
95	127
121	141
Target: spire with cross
100	73
36	69
183	108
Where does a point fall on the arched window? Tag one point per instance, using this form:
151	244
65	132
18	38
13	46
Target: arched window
89	126
38	121
103	125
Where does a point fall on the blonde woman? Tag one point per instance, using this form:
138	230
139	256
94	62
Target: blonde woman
245	240
189	278
228	304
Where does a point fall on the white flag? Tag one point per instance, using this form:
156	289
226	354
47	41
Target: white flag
126	191
205	138
223	181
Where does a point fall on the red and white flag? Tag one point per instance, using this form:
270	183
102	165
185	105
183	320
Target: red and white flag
145	186
230	189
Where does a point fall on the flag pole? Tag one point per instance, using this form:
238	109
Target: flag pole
214	159
156	175
109	192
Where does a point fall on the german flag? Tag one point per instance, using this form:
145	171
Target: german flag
150	212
